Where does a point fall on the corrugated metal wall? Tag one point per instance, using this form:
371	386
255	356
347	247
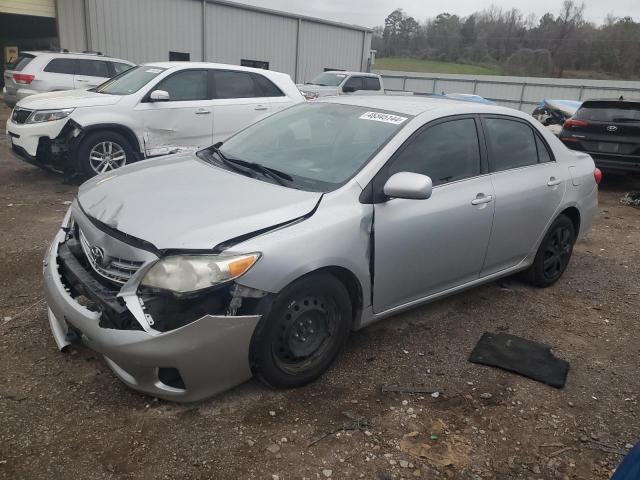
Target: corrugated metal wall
522	93
326	46
146	30
39	8
234	34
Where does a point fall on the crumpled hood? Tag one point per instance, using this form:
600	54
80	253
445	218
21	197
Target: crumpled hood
179	201
319	89
67	99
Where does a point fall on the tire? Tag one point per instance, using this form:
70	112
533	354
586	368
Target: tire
303	331
95	148
553	254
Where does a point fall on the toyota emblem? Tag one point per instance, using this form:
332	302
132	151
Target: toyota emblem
612	128
97	254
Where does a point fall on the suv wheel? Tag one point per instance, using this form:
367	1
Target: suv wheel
102	152
302	333
553	254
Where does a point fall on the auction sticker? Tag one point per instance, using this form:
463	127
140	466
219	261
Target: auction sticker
383	117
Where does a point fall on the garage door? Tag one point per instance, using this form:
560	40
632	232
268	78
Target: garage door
39	8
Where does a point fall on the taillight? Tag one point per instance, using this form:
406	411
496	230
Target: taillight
597	175
569	139
23	78
575	123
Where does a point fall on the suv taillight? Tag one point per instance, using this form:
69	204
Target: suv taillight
575	123
23	78
597	175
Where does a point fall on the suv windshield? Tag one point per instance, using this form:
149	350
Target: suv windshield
328	79
130	81
615	111
320	146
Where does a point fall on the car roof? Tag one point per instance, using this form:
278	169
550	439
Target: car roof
56	53
361	74
417	104
219	66
623	101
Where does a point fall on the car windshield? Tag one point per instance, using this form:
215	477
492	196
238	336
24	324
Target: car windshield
328	79
130	81
320	146
609	112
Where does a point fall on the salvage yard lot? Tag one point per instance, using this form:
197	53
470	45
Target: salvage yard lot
67	416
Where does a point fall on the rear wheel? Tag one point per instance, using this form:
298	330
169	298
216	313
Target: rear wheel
553	254
302	333
102	152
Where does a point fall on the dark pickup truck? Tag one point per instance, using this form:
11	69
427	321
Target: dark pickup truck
609	131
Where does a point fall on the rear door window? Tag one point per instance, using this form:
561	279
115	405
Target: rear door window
230	84
511	144
446	152
185	85
371	83
61	65
354	82
118	67
92	68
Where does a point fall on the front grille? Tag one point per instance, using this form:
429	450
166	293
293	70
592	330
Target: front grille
20	115
116	269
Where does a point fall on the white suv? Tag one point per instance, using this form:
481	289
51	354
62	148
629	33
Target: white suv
39	72
153	109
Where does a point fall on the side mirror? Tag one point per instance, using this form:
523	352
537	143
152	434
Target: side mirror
159	96
348	89
408	185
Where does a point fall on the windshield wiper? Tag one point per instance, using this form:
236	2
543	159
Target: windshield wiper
234	163
226	161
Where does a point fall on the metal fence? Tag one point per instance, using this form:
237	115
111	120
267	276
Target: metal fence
522	93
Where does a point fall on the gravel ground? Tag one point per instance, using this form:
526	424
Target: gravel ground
66	415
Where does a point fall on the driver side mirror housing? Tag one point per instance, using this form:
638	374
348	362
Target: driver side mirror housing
348	89
159	96
409	185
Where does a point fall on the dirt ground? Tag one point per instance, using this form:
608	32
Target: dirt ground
65	415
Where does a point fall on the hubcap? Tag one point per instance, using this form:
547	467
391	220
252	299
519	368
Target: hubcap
107	156
305	333
557	253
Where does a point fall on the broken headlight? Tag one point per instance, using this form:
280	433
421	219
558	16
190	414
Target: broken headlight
189	273
39	116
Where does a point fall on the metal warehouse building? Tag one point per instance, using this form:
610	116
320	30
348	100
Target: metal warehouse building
197	30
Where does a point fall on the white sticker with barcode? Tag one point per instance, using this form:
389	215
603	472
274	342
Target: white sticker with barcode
383	117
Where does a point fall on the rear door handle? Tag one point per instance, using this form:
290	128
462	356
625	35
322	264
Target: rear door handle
482	198
82	80
553	181
203	111
261	107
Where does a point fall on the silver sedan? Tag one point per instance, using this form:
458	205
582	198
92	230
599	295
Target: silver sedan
193	272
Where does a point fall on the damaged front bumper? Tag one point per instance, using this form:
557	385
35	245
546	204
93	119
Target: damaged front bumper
192	362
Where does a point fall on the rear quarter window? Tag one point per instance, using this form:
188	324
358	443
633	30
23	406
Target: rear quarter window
267	87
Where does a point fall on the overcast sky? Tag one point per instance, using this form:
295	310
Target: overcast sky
370	13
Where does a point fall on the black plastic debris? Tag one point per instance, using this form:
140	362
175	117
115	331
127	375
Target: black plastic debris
521	356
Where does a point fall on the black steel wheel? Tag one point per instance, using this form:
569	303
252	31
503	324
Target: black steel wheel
302	333
553	254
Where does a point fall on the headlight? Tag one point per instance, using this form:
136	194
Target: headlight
309	95
40	116
188	273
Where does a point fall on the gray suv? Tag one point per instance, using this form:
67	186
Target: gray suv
40	72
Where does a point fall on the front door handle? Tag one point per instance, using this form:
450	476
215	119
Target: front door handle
553	181
203	111
481	198
261	107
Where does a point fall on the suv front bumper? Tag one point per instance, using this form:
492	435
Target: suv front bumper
211	354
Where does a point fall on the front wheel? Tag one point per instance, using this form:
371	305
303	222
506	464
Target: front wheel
553	254
302	333
102	152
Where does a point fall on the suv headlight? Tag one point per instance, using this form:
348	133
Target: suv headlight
309	95
39	116
188	273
